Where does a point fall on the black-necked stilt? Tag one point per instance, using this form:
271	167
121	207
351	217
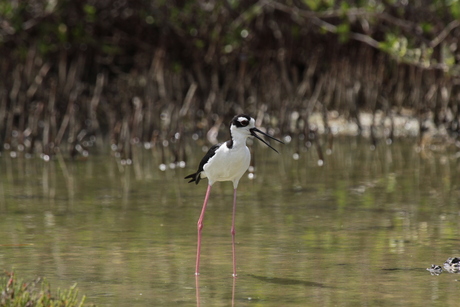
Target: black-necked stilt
227	162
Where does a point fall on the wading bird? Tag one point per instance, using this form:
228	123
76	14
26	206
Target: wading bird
227	162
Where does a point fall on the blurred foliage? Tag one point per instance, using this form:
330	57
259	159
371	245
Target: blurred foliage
406	30
77	71
37	293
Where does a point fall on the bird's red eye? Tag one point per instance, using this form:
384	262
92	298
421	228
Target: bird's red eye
241	121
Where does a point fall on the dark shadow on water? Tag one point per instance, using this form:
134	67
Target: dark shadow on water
421	270
288	281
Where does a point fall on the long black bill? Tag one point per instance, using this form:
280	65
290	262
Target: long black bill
253	133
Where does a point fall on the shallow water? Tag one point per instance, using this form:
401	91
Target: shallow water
359	230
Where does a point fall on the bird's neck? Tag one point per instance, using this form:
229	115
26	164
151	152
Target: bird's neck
238	140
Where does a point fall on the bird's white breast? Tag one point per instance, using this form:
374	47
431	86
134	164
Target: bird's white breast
228	164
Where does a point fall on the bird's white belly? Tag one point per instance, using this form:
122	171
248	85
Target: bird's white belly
227	165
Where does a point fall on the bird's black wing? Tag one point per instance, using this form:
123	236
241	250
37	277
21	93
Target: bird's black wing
196	176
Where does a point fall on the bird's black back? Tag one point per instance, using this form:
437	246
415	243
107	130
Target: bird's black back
196	176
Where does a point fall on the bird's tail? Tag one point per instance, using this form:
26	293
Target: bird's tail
194	177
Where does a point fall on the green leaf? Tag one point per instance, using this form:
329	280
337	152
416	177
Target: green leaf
344	6
426	27
199	43
343	30
455	8
312	4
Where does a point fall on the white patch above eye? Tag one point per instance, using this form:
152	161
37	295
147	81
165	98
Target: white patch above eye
243	120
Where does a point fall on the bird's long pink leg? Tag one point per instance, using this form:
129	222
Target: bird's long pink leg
233	232
200	227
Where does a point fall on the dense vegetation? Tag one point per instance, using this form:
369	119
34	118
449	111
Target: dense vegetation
76	72
36	293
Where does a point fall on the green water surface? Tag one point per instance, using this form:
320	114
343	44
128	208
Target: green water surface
358	231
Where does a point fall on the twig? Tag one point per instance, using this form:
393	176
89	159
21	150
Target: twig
443	34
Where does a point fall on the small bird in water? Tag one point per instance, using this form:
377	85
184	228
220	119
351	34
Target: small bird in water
227	162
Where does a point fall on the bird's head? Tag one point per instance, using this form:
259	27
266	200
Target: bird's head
245	125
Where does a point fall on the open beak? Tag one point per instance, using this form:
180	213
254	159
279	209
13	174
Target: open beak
253	133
